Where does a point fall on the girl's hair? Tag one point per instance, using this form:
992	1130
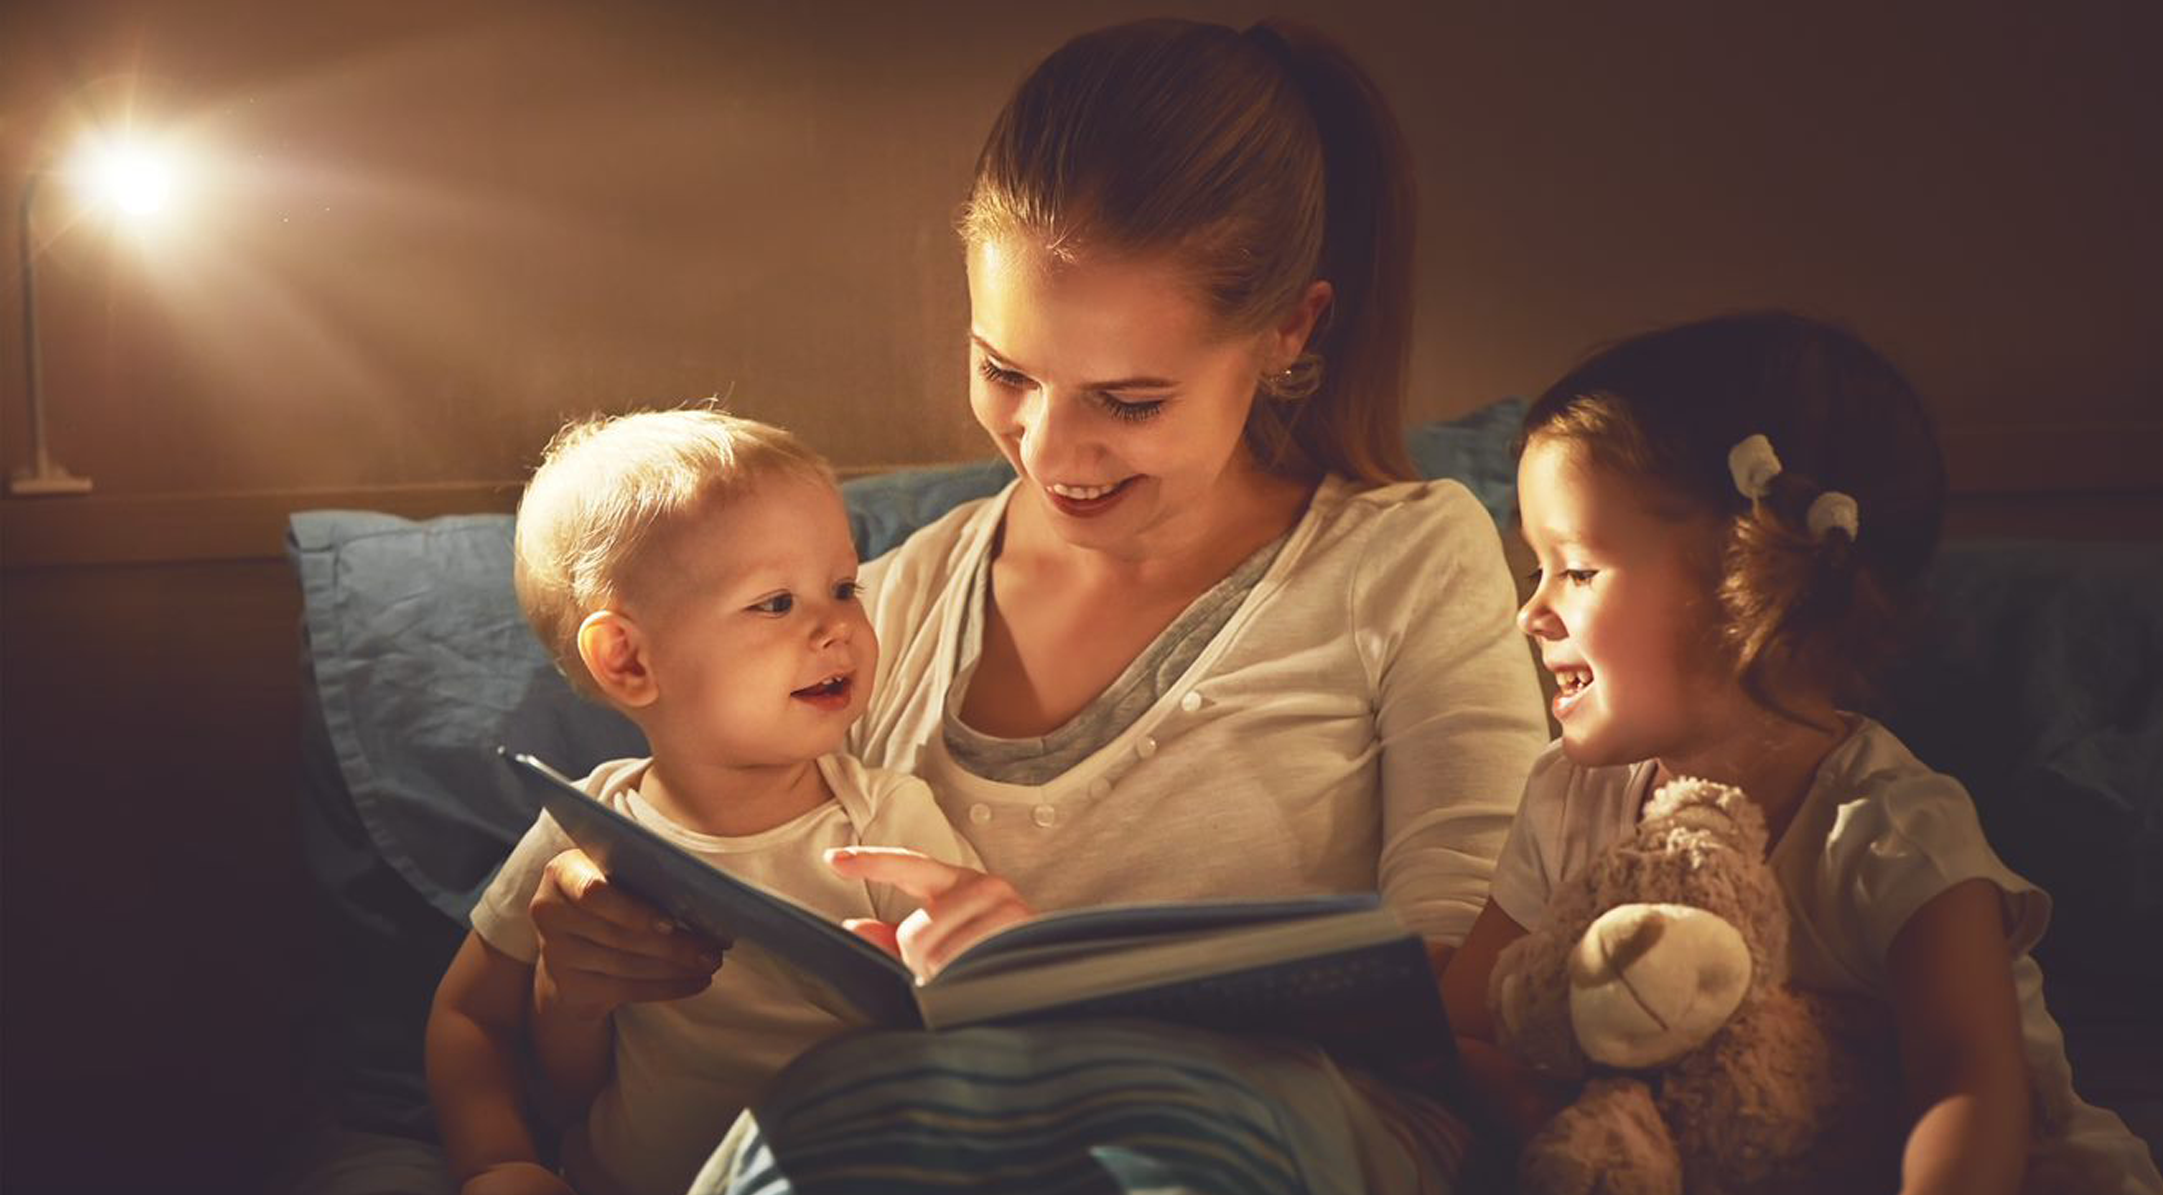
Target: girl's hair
1669	406
609	487
1260	161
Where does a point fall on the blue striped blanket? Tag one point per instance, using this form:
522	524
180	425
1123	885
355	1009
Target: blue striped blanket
1082	1108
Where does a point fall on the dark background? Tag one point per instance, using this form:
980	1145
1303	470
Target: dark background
414	239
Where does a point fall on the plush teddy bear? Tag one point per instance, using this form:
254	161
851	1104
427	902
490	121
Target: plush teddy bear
1658	982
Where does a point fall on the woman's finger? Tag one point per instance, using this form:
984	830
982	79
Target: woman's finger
879	933
958	920
927	945
914	872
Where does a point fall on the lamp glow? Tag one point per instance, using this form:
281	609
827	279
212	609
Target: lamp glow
135	180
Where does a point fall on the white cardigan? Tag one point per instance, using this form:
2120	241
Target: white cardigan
1365	721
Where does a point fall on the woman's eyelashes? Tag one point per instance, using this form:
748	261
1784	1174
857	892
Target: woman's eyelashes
999	376
1128	410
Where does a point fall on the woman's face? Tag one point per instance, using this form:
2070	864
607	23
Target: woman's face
1108	389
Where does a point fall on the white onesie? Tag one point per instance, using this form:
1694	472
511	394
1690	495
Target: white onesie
684	1068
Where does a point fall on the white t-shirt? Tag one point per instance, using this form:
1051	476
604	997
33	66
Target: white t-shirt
1363	722
684	1068
1878	836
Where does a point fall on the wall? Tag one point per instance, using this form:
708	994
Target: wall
423	234
418	236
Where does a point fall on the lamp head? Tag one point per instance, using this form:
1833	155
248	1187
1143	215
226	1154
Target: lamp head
134	179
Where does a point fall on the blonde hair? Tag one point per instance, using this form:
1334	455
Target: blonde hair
607	485
1262	161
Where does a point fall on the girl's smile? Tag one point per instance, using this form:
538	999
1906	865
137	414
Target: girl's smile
1619	612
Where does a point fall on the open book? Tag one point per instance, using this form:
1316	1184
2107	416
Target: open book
1338	970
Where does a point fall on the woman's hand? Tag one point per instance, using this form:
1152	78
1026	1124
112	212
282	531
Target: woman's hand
602	947
961	906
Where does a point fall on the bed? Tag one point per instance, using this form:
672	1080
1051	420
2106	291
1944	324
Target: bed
2040	685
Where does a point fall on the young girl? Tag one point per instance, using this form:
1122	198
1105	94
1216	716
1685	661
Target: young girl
1728	518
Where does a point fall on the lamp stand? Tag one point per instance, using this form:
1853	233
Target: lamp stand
44	476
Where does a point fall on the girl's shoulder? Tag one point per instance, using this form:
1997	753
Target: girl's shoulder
1879	789
1881	833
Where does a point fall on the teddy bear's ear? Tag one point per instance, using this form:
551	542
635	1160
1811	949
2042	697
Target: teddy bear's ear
1721	809
1689	792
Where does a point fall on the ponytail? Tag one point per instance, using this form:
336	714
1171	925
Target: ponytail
1800	605
1354	422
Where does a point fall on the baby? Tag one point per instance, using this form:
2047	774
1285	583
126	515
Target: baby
694	571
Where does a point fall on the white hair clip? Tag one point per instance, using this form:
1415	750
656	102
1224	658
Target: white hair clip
1753	465
1833	509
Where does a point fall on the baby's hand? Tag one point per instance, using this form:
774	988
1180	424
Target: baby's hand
602	947
516	1178
961	905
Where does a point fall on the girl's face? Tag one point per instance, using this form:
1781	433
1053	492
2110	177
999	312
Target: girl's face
1622	613
1109	391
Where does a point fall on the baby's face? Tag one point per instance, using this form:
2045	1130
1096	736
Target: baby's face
760	649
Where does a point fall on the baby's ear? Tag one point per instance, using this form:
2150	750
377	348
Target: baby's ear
613	649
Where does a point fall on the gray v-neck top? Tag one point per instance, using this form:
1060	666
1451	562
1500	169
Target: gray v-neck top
1152	673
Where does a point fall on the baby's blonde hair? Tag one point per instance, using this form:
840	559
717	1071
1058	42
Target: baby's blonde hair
607	484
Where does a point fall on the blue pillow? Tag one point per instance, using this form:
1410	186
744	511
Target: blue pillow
1478	449
422	665
888	508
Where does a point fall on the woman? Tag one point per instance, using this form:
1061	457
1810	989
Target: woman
1209	643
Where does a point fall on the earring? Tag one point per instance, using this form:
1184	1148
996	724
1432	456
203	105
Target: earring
1296	381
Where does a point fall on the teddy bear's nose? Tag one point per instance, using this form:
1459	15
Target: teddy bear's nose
1642	936
1618	943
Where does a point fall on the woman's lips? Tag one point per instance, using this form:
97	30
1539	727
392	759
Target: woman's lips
1086	502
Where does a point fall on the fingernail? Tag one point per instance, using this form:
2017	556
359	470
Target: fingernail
664	925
